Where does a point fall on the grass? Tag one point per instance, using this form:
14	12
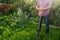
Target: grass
30	33
53	35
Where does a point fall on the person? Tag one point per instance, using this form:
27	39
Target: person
43	7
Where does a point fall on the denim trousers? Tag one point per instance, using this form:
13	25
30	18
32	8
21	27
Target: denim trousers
46	22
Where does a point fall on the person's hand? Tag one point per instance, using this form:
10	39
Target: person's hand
40	12
40	9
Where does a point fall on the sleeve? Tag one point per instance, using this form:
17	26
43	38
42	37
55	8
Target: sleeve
37	4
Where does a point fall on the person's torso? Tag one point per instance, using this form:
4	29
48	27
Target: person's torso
43	3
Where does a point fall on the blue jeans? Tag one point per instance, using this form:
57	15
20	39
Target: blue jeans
46	21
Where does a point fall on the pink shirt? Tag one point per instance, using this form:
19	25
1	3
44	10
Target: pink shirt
44	4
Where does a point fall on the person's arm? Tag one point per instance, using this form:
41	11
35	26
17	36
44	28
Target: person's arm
37	8
49	5
47	8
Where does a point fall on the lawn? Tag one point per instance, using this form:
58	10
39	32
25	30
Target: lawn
30	33
10	30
